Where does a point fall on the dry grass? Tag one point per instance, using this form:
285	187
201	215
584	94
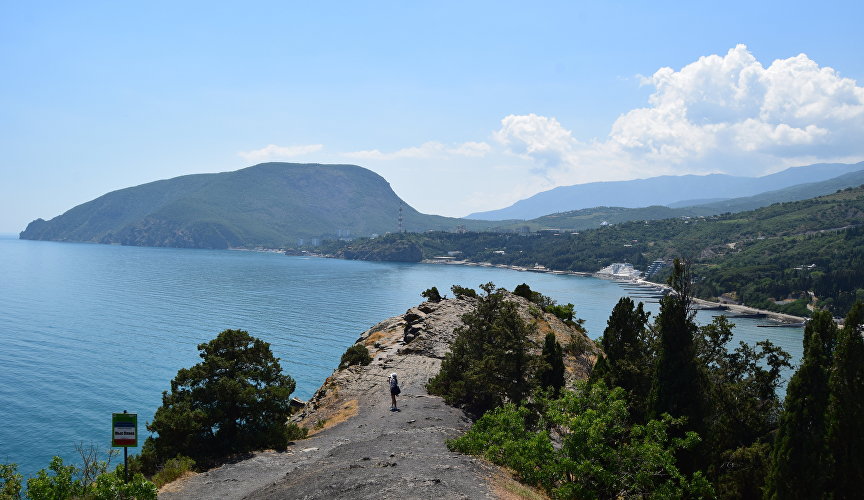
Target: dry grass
505	487
177	484
345	411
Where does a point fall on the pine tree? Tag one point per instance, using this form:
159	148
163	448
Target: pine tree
845	419
235	400
799	468
487	362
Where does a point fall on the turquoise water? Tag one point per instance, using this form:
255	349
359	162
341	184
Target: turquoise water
88	330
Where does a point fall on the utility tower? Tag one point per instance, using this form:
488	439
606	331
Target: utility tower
401	230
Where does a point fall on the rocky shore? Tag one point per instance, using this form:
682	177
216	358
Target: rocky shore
359	449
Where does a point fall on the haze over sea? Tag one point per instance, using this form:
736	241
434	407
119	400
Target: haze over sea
88	330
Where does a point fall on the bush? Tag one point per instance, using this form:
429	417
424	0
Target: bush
10	481
600	454
431	294
236	400
295	432
357	354
93	481
462	292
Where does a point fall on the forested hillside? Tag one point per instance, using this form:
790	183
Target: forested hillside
804	251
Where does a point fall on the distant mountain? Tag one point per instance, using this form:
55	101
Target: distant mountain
587	218
793	193
662	190
271	204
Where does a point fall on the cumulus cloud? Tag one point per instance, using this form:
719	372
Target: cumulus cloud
431	149
274	152
720	113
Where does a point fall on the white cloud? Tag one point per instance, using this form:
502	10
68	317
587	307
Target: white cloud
431	149
718	114
274	152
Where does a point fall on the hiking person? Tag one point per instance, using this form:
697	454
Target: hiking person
394	391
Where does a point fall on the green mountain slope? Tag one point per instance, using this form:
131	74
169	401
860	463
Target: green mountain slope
271	204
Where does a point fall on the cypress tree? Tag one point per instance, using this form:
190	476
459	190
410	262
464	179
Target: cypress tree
677	385
552	374
845	419
799	465
627	362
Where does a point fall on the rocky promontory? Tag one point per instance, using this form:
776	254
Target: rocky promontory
358	448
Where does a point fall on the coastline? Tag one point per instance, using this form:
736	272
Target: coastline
780	319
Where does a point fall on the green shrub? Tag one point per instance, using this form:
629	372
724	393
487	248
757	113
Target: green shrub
92	482
431	294
600	454
296	433
462	292
357	354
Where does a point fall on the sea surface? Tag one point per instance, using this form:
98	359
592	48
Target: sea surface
88	330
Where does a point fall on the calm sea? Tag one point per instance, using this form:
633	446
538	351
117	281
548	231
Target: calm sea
88	330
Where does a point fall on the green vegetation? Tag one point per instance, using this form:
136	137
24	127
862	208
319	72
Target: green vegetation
431	294
487	364
463	292
94	480
236	400
357	354
845	416
551	374
782	257
687	415
677	385
627	342
601	455
817	450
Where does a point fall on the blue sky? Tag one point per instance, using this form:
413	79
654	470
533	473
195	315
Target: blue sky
462	106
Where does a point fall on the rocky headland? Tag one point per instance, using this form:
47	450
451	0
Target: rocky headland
359	449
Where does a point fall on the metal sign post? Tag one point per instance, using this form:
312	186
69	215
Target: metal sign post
125	434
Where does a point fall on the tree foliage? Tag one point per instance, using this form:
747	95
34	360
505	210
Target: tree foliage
551	373
93	480
799	458
601	455
845	417
628	363
678	386
487	363
235	400
431	294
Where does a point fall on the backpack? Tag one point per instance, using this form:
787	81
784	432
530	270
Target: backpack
394	385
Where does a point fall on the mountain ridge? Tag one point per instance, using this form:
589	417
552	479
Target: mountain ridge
661	190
